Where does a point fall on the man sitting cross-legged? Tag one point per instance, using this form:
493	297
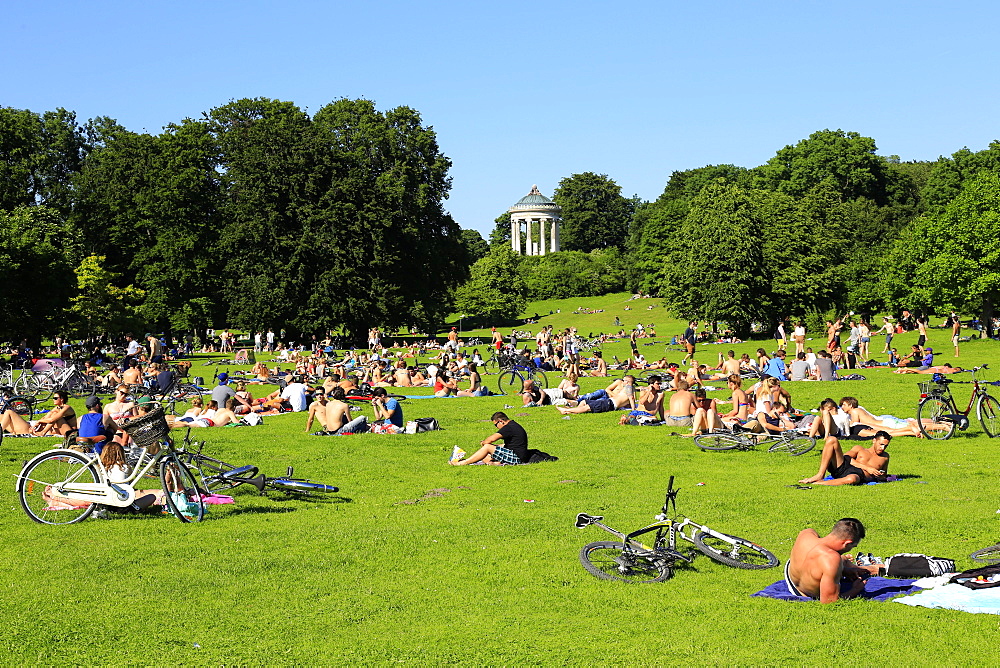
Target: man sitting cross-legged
617	395
817	564
857	467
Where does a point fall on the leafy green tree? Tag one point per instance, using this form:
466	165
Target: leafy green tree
37	255
594	212
716	268
39	154
949	175
573	274
686	184
476	247
381	183
846	159
500	236
99	306
955	256
495	291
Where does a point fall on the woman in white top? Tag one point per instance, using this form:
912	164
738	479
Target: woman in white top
799	336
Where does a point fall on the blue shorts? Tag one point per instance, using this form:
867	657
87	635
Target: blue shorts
600	405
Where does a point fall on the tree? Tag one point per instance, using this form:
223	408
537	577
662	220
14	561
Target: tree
500	236
847	159
955	256
37	255
594	212
99	306
39	154
572	274
476	247
716	268
495	291
381	181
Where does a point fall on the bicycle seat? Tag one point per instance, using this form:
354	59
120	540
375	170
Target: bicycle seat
583	520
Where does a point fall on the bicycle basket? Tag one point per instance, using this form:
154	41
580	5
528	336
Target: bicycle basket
930	388
149	429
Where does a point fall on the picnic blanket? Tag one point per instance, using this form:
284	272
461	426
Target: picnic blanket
957	597
876	589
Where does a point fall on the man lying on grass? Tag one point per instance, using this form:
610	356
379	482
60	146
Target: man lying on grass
619	394
817	565
858	467
513	451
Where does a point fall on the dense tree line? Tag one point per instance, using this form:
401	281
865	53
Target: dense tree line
255	215
259	215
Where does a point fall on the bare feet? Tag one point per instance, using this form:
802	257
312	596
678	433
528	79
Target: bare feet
810	481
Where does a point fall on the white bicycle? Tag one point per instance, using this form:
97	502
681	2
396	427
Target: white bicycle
65	486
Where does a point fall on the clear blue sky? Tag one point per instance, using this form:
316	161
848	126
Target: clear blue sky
523	93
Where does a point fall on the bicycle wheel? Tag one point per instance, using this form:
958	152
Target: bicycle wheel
931	420
491	366
219	475
734	551
79	385
289	485
794	445
988	412
39	481
607	561
540	378
22	406
987	555
510	382
180	490
718	442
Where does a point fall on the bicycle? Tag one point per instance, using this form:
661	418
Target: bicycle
44	384
630	561
987	555
64	486
217	475
791	442
937	413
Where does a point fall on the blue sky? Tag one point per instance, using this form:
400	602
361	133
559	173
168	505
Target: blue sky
523	93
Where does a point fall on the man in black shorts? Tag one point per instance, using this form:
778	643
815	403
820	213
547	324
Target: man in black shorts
513	451
859	466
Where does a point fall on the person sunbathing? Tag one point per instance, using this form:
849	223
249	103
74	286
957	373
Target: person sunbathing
944	368
617	395
57	422
858	467
864	425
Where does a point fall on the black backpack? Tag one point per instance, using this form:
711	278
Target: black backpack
536	456
427	424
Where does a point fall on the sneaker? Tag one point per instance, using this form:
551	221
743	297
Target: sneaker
860	559
874	561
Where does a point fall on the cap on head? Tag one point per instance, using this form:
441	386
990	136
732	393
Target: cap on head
223	377
93	401
928	350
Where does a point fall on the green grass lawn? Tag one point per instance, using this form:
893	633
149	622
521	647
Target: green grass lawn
418	562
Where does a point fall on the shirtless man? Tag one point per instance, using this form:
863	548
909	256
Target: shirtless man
317	409
132	375
681	406
57	422
944	368
402	375
337	410
817	564
226	415
730	365
857	467
617	395
651	399
452	343
956	331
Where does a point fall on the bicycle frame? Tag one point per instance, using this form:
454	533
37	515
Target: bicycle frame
119	494
961	418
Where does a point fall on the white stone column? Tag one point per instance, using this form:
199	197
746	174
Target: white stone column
554	245
541	236
558	233
514	229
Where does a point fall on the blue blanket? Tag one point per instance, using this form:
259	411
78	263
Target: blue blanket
876	589
957	597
